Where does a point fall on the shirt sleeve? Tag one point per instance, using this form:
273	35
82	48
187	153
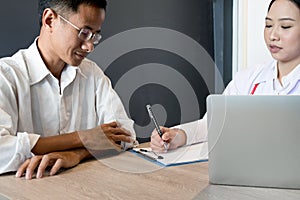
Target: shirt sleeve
110	107
15	147
15	150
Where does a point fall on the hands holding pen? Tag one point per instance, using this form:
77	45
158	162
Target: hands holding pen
173	137
163	138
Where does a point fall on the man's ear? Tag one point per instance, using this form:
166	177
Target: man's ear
48	18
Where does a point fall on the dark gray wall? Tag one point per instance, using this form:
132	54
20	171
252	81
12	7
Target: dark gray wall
146	66
191	17
19	25
158	52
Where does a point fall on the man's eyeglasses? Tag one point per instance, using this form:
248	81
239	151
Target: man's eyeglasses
85	34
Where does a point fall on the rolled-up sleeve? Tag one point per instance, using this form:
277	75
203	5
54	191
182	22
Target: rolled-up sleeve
15	150
109	105
15	147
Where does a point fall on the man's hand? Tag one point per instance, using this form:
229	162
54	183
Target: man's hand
106	136
55	160
173	137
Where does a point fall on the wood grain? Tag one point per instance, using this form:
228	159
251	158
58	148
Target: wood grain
127	176
96	179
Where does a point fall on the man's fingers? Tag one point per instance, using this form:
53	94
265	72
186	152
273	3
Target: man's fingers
119	131
45	162
125	132
22	168
111	124
123	138
116	131
34	162
57	165
118	134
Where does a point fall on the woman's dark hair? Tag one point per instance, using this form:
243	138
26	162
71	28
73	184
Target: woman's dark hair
296	2
65	6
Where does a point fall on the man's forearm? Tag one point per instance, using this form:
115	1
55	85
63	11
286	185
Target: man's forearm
57	143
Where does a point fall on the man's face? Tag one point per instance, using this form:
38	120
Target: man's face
67	45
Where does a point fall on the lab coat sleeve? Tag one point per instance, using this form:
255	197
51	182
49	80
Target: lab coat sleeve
15	147
236	86
196	131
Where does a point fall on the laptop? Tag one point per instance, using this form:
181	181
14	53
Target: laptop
254	140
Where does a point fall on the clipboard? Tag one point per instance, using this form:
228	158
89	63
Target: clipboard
184	155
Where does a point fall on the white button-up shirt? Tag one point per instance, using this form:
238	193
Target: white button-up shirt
33	103
244	82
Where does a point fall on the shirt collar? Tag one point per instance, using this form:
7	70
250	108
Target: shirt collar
37	70
292	76
268	73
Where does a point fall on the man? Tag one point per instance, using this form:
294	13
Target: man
54	103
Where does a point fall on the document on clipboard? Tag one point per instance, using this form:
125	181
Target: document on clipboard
183	155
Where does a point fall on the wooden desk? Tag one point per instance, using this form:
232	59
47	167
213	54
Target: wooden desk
114	178
99	180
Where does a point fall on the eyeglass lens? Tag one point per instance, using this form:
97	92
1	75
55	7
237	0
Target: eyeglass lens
86	34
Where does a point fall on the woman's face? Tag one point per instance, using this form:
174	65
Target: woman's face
282	31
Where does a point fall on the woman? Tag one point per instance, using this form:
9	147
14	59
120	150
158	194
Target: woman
280	77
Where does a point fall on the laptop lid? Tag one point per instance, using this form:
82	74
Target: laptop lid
254	140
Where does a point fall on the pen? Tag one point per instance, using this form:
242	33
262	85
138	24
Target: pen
158	156
145	155
152	116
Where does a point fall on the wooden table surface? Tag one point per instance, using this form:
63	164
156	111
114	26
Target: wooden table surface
128	176
125	176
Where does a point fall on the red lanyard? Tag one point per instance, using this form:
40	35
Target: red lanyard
254	88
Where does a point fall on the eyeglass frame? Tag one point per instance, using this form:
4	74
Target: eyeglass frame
92	35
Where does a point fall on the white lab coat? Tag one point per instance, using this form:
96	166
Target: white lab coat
265	76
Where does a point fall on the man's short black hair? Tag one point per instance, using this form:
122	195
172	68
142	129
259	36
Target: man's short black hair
65	6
